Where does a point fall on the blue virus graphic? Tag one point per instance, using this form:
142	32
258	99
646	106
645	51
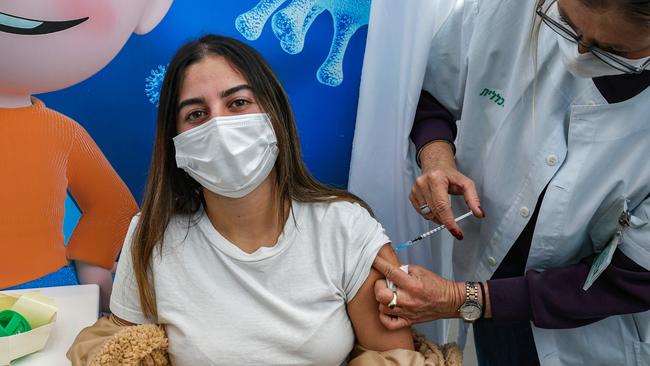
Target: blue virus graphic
291	24
153	83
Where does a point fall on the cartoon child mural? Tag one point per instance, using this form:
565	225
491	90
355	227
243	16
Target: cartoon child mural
49	45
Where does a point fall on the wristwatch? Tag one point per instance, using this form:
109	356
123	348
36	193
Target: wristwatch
471	309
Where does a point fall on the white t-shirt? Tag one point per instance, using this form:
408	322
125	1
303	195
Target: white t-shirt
281	305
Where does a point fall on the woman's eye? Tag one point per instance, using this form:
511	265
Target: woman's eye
239	103
193	116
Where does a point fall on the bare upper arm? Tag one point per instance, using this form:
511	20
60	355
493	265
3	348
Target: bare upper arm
364	314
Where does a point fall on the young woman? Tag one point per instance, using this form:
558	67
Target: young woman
238	251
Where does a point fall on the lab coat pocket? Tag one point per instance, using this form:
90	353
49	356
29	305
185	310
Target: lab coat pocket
642	346
603	227
642	353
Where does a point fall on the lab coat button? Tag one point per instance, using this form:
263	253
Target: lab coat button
524	211
551	160
492	261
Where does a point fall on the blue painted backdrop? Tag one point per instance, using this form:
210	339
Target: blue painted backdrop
115	109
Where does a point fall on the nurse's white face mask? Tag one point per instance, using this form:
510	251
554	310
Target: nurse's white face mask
230	156
586	65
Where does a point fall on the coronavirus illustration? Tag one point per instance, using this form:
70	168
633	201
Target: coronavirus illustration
291	23
153	83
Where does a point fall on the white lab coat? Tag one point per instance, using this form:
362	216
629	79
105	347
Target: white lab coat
513	141
383	168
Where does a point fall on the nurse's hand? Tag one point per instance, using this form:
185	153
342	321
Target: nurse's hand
421	296
439	179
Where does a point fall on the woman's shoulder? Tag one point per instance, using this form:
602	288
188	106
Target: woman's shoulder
177	227
335	214
334	209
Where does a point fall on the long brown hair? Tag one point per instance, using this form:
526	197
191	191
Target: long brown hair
170	191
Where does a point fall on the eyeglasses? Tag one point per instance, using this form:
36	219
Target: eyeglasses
603	56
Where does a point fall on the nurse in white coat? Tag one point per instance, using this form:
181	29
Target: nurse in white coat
548	107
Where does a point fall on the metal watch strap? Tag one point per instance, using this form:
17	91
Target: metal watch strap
469	294
471	301
482	297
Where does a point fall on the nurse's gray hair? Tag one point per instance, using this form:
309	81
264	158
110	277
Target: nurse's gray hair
637	11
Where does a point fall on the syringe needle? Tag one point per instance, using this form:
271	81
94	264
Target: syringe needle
403	246
430	232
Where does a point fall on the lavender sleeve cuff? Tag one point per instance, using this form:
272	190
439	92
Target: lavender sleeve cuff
432	122
509	299
554	298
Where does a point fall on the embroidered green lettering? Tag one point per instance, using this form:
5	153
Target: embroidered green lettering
494	96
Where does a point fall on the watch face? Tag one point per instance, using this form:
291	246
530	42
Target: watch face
470	312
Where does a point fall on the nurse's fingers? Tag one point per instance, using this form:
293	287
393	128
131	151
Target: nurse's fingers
420	205
438	200
461	184
398	311
383	294
393	322
432	189
400	278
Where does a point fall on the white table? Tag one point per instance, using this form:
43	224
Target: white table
78	308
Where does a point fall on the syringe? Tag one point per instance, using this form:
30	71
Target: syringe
431	232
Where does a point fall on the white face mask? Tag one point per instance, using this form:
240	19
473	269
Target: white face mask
586	65
230	156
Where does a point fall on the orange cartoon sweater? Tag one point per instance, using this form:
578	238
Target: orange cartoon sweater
44	154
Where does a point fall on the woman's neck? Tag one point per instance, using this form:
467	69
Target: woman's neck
249	222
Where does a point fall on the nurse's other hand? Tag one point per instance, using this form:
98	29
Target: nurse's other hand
422	296
439	179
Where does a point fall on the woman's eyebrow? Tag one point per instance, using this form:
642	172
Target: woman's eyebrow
190	101
228	92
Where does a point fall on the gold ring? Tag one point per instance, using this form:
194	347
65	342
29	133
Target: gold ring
393	303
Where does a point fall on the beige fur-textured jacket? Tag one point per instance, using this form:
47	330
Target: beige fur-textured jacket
111	343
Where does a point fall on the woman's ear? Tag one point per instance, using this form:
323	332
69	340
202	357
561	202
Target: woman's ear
153	13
